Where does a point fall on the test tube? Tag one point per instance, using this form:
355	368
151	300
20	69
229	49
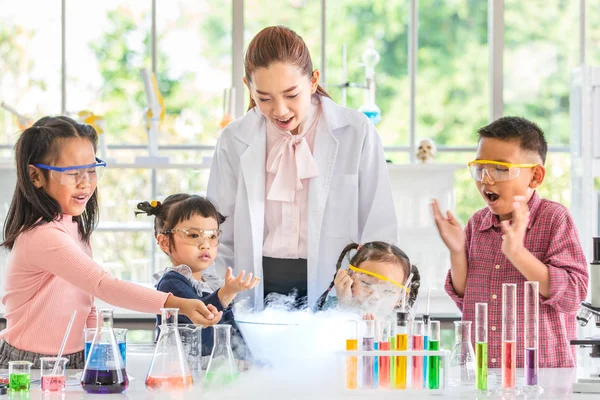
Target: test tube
351	361
417	361
433	362
384	331
531	306
368	344
481	345
392	321
401	344
509	335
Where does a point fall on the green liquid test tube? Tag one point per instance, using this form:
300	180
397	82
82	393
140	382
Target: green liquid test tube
433	362
393	359
481	346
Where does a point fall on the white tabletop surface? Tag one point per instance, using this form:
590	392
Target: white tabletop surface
267	384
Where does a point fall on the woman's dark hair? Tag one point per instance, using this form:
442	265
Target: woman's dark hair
176	208
383	252
278	44
30	206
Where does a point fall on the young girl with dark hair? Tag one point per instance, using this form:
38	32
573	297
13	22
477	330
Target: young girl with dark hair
375	281
50	273
187	228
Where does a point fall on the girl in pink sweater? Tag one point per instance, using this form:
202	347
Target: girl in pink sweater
48	228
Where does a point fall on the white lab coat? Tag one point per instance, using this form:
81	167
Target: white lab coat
350	199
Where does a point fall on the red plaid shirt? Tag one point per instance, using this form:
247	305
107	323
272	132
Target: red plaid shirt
551	237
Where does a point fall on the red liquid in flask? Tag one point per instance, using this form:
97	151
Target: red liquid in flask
169	383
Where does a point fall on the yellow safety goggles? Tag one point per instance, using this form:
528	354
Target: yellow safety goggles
381	277
497	171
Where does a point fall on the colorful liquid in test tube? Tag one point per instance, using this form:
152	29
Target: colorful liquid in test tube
433	362
368	344
509	335
351	361
417	361
425	345
531	333
401	344
384	333
481	346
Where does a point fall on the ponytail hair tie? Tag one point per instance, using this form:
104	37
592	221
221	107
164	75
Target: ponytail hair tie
148	208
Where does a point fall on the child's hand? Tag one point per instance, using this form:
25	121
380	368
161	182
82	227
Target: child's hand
234	285
513	240
343	285
195	310
368	317
450	230
239	284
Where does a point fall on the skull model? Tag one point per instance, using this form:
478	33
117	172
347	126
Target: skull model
426	151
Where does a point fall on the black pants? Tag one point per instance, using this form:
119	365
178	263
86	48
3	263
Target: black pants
286	276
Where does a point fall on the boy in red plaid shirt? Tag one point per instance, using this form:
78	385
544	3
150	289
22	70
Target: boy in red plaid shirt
518	237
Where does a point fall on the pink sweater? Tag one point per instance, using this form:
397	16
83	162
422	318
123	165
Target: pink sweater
50	274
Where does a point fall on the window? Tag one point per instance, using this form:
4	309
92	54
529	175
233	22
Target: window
592	19
354	23
104	57
452	99
541	48
30	61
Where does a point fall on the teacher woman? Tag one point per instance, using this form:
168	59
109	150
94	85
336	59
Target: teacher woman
298	176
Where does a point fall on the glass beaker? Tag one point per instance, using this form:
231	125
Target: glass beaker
19	375
53	373
462	359
222	368
191	339
121	335
169	368
104	370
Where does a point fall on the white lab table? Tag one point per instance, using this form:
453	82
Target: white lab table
268	384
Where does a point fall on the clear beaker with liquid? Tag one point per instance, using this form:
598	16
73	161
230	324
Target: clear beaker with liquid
19	375
104	370
191	339
169	368
462	358
53	372
222	368
120	334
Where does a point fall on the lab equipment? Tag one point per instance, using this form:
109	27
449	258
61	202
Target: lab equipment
169	368
104	370
417	361
120	334
351	361
368	344
19	375
433	362
481	346
222	367
401	344
462	359
53	373
509	335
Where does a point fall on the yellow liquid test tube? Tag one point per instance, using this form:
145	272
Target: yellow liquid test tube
352	361
401	344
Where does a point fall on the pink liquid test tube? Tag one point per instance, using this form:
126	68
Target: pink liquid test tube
509	335
417	361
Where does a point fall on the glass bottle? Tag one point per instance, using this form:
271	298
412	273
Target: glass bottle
104	370
222	368
462	359
169	368
370	59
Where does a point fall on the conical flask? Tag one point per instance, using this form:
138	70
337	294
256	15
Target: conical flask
462	359
169	368
222	367
104	370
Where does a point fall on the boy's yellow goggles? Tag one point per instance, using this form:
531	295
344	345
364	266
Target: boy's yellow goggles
381	277
497	171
